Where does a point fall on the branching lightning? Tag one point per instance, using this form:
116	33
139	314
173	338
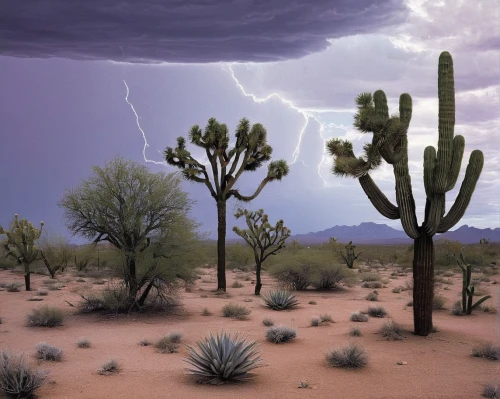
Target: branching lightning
146	144
308	114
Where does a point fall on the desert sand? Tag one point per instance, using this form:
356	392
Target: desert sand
437	366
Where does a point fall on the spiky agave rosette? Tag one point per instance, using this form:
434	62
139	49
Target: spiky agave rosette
223	358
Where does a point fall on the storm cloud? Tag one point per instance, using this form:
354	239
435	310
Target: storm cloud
182	31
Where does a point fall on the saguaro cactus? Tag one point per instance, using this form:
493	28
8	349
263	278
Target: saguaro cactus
264	239
441	170
350	256
20	244
248	154
467	287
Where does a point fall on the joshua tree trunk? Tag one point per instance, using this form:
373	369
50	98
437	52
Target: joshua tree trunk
221	246
423	283
27	279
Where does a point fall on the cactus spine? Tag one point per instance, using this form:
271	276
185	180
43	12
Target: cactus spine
468	288
441	170
264	239
20	244
350	255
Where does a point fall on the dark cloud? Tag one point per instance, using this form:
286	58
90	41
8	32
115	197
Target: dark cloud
186	31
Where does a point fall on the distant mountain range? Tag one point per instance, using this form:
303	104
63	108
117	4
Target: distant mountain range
373	233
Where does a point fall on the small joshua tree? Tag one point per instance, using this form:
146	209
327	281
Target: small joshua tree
226	166
441	170
20	244
350	256
264	239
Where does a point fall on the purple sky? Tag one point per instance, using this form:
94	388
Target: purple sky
63	108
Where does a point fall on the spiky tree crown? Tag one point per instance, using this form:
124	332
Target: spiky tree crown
389	142
21	237
261	235
249	153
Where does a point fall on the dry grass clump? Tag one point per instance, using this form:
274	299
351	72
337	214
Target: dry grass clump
268	322
206	312
355	332
235	311
392	331
110	367
42	292
359	317
13	287
45	316
438	302
236	284
48	352
351	356
169	343
18	378
371	284
491	391
83	343
376	311
372	296
281	334
488	351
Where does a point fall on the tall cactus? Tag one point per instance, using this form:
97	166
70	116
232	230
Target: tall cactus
441	170
264	239
20	244
468	288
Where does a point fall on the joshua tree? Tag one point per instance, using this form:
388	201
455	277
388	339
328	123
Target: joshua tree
20	244
264	239
226	166
441	170
349	256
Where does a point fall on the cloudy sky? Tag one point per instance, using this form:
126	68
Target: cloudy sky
294	66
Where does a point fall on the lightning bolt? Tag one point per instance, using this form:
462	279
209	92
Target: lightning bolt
307	114
137	117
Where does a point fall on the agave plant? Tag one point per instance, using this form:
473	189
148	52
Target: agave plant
223	358
279	300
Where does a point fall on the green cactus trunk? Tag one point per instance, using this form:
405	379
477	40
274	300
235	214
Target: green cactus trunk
27	277
221	246
423	284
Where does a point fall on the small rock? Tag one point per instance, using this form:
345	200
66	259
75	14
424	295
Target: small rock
303	384
401	363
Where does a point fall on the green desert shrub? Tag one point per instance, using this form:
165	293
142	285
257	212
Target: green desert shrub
167	345
392	331
268	322
376	311
396	290
312	269
18	378
236	284
235	311
279	300
45	316
355	332
109	367
359	317
223	358
351	356
325	318
206	312
47	352
488	351
281	334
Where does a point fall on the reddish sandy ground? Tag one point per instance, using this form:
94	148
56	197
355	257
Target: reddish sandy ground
438	366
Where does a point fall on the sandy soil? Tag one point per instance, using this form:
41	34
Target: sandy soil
438	366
